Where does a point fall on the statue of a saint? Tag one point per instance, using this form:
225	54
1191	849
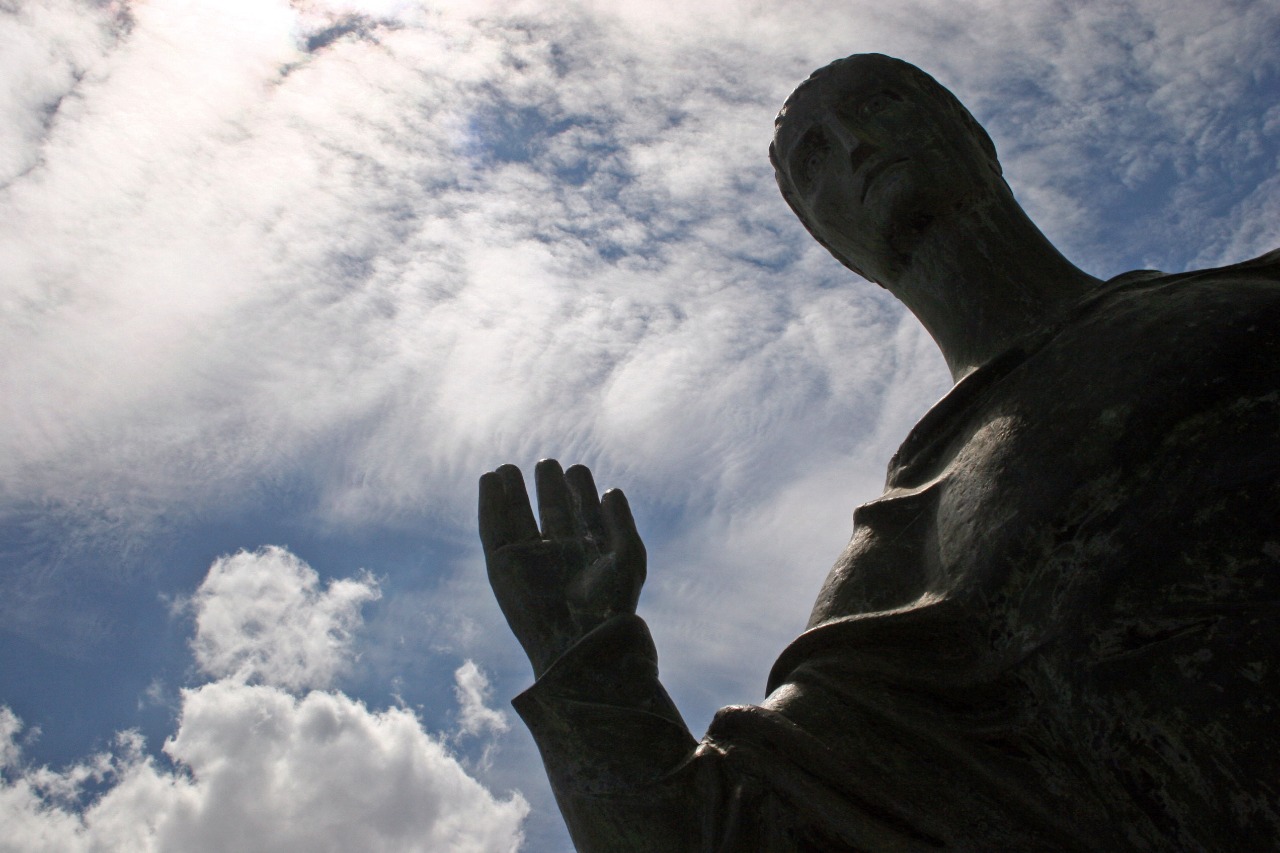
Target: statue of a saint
1058	628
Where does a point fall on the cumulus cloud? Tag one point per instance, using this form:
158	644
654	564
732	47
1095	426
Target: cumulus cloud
262	616
261	766
254	768
473	692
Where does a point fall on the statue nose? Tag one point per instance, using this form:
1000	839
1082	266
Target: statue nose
859	153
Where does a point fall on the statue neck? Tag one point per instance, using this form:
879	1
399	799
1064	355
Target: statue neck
982	281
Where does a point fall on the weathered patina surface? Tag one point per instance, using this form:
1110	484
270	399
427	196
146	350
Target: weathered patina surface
1058	628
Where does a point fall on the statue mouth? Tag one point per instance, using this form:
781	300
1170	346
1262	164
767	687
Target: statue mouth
875	172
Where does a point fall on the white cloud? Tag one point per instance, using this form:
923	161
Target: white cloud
45	48
254	767
472	690
257	769
263	617
229	274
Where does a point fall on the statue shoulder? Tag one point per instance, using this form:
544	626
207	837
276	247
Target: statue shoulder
1217	310
1170	344
1253	272
1269	260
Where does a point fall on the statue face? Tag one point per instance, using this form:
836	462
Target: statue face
875	160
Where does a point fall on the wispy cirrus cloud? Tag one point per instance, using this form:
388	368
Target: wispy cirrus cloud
433	241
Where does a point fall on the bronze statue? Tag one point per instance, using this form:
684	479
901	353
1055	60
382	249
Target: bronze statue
1058	628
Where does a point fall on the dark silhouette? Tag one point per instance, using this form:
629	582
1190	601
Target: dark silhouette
1058	627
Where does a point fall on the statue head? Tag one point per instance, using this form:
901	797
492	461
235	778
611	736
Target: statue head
871	153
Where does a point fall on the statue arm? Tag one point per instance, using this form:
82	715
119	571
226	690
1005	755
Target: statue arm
629	778
627	774
619	757
614	745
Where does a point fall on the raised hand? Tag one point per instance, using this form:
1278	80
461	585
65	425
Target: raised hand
586	565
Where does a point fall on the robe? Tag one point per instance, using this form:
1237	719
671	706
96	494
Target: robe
1057	629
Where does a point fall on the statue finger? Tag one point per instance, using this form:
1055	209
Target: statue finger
555	508
622	536
493	508
517	515
586	501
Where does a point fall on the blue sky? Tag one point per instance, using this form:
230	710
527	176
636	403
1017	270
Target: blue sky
280	280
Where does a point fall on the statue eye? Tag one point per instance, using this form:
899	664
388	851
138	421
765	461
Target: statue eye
879	101
809	157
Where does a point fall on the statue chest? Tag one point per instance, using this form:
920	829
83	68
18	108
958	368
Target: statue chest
988	504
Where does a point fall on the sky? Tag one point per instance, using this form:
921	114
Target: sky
279	280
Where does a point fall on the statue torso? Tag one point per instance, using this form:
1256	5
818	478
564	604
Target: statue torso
1072	578
1037	460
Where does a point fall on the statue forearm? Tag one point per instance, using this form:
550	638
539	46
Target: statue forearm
629	777
616	750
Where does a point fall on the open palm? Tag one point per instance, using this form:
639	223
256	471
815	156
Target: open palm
555	585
